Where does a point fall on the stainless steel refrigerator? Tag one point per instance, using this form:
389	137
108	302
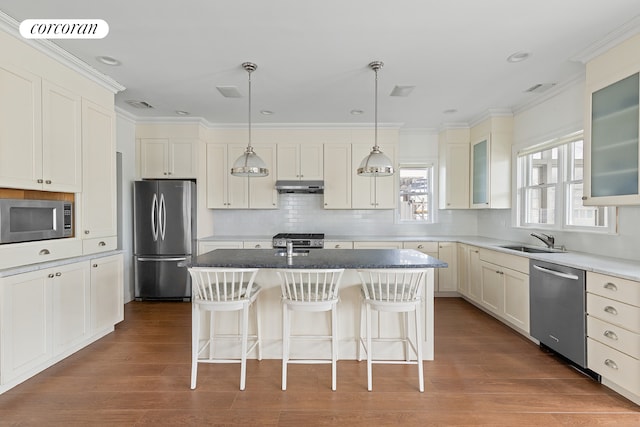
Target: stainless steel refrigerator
164	235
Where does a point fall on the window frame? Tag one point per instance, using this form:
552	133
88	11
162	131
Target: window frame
431	194
562	186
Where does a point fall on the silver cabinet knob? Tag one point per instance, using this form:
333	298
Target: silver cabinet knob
50	275
87	231
95	265
48	181
58	274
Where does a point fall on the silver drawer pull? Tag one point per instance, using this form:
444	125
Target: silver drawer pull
338	246
420	246
610	286
44	252
611	310
610	363
611	335
102	244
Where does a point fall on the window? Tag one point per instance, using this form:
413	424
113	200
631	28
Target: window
416	194
550	188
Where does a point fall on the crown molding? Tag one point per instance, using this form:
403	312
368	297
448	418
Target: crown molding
55	52
615	37
453	125
418	131
490	113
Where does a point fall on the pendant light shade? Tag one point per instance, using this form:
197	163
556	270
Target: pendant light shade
376	163
249	163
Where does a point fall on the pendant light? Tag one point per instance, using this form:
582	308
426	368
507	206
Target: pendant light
376	163
249	164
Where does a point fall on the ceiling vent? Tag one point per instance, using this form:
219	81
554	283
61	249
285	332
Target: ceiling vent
229	91
540	87
402	90
139	104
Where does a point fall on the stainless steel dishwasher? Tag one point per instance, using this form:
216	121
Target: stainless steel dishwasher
557	309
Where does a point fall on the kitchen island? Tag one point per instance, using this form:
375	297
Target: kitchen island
349	259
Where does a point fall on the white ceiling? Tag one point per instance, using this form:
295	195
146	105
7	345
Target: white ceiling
312	55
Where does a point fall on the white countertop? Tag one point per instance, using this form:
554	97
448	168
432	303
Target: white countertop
55	263
626	269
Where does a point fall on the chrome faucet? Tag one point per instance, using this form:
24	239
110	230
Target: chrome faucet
547	239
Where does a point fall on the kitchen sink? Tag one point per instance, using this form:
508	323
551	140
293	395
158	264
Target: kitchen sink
531	249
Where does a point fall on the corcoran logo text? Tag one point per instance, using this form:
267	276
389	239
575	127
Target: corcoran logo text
64	28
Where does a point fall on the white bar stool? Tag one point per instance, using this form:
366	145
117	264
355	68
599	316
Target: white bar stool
223	289
312	290
392	290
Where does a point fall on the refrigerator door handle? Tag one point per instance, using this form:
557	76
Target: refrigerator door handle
163	259
163	216
154	219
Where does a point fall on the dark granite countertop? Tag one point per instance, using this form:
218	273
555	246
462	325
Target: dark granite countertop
317	258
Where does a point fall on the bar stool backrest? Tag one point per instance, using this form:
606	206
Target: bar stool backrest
392	285
222	284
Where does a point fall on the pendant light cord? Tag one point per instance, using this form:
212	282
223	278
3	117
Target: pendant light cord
375	138
249	121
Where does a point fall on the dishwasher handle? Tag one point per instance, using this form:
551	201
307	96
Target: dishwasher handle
556	273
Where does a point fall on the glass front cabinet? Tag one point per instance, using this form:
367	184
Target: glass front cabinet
612	126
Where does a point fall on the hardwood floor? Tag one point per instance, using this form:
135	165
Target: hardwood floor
483	374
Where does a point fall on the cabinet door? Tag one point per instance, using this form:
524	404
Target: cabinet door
463	269
99	171
611	144
480	173
337	176
516	298
25	341
21	129
238	187
447	277
61	139
262	190
431	249
154	157
288	161
475	274
183	154
107	304
456	177
71	304
377	245
311	161
217	176
492	287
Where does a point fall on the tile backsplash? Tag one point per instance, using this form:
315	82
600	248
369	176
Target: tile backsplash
305	213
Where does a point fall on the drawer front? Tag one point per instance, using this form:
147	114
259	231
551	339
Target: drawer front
613	365
422	246
338	244
514	262
257	244
627	291
102	244
18	254
614	336
616	312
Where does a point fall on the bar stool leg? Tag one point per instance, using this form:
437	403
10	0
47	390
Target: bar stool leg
369	349
334	346
285	344
195	343
419	348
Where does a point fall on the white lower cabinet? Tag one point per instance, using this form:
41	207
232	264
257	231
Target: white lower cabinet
208	246
613	330
377	245
474	274
338	244
48	314
504	282
107	300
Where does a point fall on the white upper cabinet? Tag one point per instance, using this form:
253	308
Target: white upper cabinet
337	176
302	161
490	175
453	149
99	172
225	191
372	192
168	158
40	142
612	123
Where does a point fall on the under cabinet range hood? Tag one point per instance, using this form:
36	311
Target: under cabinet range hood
300	187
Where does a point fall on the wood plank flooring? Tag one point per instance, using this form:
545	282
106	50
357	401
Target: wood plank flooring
483	374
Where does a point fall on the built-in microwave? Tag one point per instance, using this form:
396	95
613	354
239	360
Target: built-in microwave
23	220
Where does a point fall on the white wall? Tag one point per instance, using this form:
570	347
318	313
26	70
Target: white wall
125	144
555	117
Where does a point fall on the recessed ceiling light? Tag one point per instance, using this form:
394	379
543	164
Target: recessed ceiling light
182	113
139	104
229	91
107	60
518	56
266	112
402	90
450	111
357	112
